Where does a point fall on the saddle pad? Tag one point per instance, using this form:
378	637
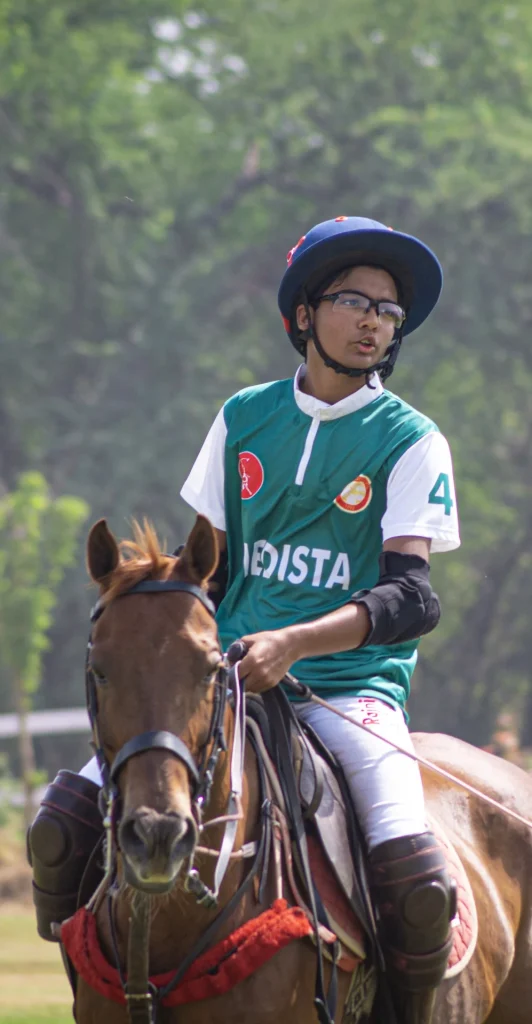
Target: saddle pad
330	821
465	925
342	920
349	931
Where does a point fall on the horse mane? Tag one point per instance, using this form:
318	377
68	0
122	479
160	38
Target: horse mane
140	559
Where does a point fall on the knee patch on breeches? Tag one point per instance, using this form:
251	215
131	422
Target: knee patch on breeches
59	845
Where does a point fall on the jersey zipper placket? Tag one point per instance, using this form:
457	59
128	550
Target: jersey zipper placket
307	451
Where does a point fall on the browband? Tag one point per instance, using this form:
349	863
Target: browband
155	587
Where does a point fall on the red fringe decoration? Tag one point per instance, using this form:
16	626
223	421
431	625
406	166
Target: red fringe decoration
213	974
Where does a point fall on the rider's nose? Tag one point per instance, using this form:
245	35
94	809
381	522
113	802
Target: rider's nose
370	318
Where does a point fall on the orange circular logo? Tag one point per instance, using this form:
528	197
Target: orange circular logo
251	474
356	496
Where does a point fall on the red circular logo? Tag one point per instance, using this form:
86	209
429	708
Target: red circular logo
251	474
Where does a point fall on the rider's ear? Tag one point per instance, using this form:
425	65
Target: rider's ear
102	552
199	557
302	319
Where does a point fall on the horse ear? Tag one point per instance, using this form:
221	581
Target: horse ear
199	557
102	552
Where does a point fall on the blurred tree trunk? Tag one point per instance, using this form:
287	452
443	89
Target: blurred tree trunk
25	751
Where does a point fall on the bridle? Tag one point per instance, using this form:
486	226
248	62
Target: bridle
200	775
157	739
142	1000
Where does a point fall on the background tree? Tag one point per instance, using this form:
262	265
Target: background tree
38	537
157	161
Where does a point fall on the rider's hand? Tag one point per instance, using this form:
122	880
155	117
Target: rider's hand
270	656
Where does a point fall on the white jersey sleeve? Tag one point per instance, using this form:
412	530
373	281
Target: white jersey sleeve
204	486
421	499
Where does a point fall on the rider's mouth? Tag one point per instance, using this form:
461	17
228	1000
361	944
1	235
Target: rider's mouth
365	345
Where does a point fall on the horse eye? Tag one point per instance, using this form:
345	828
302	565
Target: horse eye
99	676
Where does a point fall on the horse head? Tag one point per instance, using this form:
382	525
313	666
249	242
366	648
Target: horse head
153	666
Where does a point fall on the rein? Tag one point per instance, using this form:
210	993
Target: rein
238	650
141	997
304	691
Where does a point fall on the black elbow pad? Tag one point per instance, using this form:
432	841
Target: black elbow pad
402	605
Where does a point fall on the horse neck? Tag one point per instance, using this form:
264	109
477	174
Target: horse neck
177	919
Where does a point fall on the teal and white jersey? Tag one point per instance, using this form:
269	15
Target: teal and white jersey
307	493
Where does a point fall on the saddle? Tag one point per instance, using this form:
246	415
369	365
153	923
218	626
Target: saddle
335	843
336	846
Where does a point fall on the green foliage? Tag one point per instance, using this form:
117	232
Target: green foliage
157	161
37	542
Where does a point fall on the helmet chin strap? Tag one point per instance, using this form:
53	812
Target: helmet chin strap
384	367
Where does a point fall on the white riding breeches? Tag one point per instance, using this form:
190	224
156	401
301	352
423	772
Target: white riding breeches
385	785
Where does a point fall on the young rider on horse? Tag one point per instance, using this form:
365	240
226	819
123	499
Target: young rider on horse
328	494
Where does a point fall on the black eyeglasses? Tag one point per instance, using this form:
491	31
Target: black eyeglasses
359	303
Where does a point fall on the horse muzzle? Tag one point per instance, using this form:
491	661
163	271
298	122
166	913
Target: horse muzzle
153	848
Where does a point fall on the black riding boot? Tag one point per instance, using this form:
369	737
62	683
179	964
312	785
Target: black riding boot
62	849
415	900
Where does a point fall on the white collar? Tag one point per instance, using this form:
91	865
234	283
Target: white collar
323	411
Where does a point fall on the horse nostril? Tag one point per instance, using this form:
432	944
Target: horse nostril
141	829
147	834
170	832
134	837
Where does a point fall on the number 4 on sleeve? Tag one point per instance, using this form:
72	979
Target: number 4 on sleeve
441	493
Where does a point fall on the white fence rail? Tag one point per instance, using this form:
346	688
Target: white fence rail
47	723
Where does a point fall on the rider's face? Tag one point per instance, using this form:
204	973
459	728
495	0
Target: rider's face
352	337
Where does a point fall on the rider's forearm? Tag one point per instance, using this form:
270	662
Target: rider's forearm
341	630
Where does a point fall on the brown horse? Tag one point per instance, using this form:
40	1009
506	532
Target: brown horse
155	661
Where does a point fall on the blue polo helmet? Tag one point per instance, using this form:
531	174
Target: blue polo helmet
333	245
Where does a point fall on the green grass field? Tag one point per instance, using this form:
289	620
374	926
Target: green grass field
33	985
49	1015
